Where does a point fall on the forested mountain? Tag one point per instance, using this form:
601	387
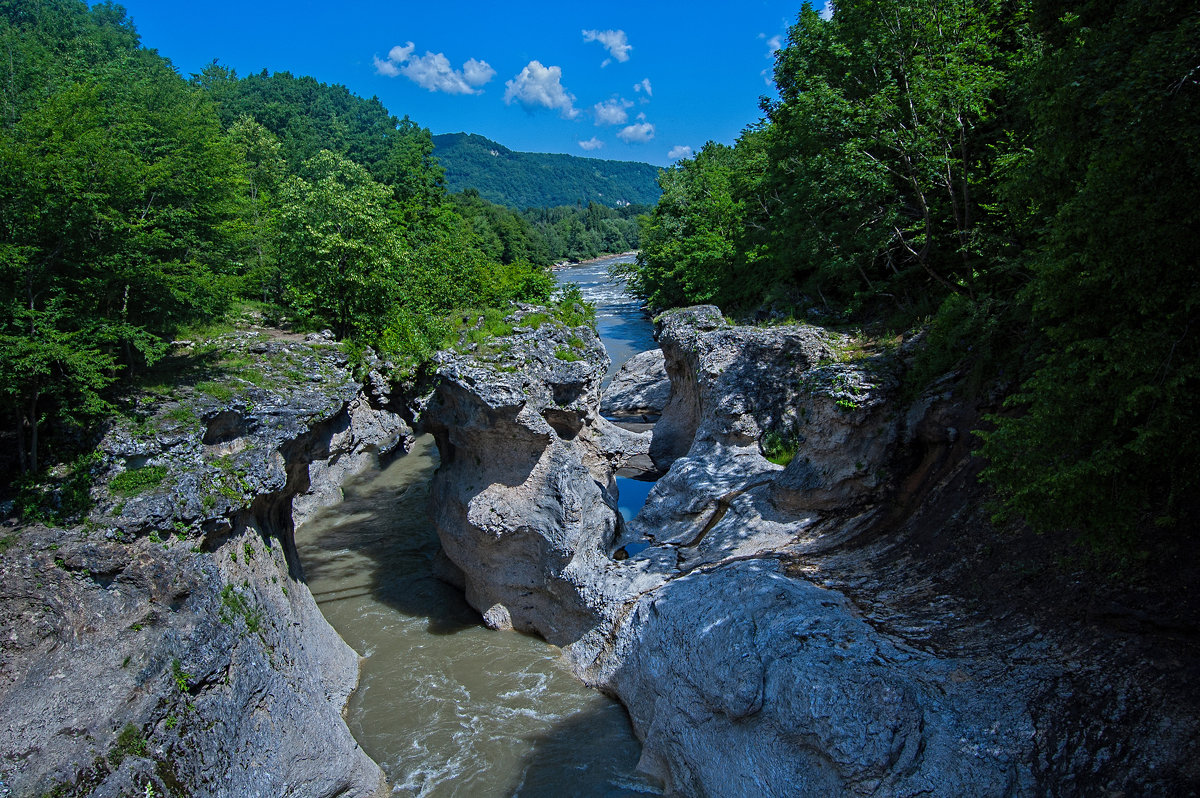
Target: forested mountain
541	180
137	203
1022	173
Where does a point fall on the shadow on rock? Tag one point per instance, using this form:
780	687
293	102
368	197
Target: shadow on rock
380	542
590	753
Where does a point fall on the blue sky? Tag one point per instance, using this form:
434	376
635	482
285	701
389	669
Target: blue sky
628	81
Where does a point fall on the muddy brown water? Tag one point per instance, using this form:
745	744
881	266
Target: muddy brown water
446	706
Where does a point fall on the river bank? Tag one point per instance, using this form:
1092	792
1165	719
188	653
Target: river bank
614	257
835	625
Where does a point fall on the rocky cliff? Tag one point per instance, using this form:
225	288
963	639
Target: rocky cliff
170	640
805	605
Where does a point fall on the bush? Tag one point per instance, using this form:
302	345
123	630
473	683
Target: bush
137	480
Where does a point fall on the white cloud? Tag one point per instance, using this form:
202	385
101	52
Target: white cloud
774	45
612	112
680	151
477	73
386	68
540	87
637	134
644	86
614	41
827	11
433	71
591	144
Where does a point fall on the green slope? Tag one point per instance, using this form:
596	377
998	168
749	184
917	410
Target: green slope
528	180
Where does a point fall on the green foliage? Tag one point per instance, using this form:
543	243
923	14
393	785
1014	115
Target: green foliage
579	232
137	480
181	678
60	496
139	205
690	241
1102	437
527	180
571	309
569	355
344	259
872	180
234	606
780	448
130	742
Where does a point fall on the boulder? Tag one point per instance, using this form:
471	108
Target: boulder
523	499
639	390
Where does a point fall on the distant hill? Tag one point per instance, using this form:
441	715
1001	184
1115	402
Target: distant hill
530	180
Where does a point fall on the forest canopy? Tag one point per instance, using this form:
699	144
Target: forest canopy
530	179
138	204
1018	176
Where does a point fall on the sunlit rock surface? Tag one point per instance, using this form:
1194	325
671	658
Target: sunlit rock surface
169	645
775	628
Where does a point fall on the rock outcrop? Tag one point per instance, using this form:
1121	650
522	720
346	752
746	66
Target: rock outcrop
523	498
773	619
170	641
639	390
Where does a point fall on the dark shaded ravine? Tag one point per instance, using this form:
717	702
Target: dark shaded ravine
446	706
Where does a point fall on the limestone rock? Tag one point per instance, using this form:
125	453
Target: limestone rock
522	499
640	389
171	640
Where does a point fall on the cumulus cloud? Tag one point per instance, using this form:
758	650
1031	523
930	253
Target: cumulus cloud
827	11
644	86
591	144
612	112
680	151
614	41
432	71
640	133
538	86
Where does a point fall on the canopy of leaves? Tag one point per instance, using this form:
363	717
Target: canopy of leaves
1105	438
1028	167
136	203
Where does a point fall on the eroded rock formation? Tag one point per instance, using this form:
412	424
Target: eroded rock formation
780	629
639	390
169	641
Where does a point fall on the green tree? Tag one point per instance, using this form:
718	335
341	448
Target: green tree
1103	437
690	241
884	146
343	259
264	171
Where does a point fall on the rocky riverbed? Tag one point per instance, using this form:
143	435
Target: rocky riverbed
783	629
811	601
170	641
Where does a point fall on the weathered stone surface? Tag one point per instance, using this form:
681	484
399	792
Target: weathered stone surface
178	612
522	499
770	628
744	681
640	389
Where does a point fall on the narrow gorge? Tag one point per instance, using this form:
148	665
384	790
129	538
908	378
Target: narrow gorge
803	605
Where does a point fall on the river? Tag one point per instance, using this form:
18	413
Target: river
446	706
